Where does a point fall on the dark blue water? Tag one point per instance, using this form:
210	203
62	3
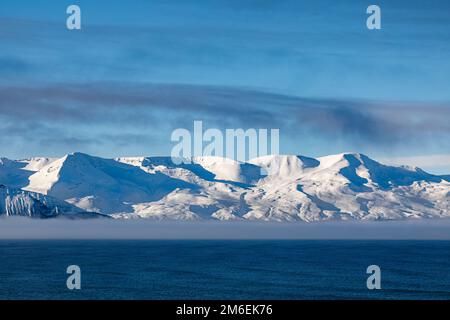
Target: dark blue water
224	269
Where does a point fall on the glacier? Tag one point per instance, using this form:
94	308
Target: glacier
347	186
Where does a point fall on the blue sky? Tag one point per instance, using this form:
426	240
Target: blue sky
140	69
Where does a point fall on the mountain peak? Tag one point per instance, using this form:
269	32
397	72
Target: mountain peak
100	185
285	165
344	186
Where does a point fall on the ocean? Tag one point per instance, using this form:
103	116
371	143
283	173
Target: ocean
236	269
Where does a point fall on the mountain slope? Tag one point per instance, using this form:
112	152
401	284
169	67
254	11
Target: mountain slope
15	173
216	195
16	202
348	186
100	185
342	187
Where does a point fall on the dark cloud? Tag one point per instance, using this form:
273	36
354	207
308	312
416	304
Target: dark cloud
93	113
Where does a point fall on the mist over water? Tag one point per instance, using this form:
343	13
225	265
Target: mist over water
24	228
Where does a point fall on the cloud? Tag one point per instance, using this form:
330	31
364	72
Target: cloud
92	112
422	161
25	228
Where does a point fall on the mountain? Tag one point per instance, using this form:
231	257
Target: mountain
347	186
208	168
16	202
288	188
15	173
101	185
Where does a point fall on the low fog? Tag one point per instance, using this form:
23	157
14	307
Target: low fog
24	228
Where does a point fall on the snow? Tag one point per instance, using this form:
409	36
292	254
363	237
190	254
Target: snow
16	202
284	165
100	185
15	173
36	164
346	186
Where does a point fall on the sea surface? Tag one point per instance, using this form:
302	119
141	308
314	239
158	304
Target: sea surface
224	269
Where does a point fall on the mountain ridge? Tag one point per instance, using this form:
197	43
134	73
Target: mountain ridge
346	186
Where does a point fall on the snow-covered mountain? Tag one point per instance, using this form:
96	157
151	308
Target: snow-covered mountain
100	185
16	202
348	186
15	173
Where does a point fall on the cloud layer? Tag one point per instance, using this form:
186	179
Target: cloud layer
89	115
23	228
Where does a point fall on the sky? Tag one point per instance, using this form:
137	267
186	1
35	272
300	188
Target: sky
137	70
